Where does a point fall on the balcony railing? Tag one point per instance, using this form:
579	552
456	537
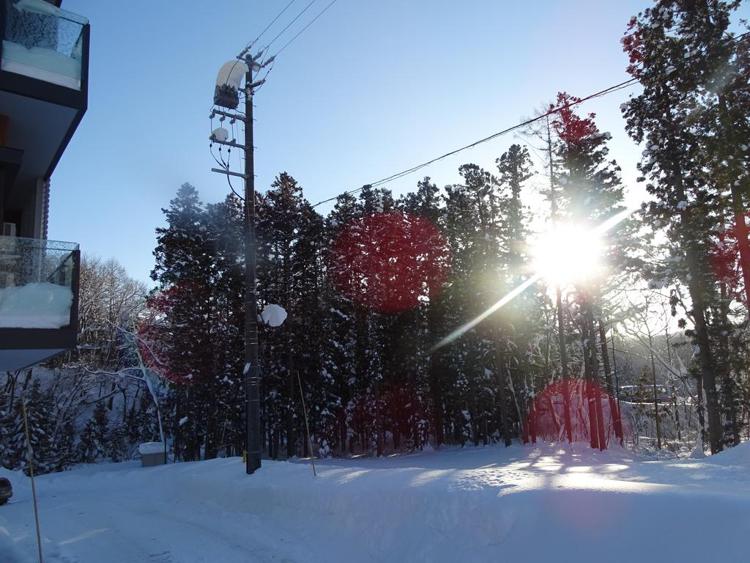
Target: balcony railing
38	283
42	41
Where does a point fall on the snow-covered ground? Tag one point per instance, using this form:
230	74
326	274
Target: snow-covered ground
478	504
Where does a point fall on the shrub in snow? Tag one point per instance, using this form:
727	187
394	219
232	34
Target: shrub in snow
324	450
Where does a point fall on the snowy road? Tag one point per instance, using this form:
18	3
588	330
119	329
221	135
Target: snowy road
112	514
483	504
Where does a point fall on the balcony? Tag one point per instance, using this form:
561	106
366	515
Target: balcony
38	300
44	56
44	42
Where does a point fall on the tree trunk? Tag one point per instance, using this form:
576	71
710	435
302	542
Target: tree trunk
613	410
703	341
380	421
502	397
291	437
564	367
591	373
436	397
656	399
729	388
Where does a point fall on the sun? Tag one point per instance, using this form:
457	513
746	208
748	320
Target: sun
568	254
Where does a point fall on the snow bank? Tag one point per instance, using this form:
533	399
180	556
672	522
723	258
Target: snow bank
739	456
35	305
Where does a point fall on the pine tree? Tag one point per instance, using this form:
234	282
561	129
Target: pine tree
672	48
515	169
93	445
12	441
591	194
290	234
38	405
339	329
117	445
225	225
184	268
65	446
433	378
5	430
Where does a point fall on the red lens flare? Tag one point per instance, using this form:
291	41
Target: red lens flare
575	410
388	262
725	259
153	333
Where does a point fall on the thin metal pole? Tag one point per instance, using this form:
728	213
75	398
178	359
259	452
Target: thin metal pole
307	426
252	368
30	459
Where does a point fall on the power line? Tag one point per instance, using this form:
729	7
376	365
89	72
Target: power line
273	21
280	33
521	125
397	175
254	41
265	76
301	31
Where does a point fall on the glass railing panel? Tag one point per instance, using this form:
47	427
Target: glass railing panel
37	281
43	42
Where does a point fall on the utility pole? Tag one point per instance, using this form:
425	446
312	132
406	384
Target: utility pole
226	96
251	371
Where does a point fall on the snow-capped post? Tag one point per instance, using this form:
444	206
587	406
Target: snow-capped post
227	95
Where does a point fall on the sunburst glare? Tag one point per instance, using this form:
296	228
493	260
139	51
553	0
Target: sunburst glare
565	255
568	254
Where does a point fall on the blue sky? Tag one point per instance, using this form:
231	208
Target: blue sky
371	88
